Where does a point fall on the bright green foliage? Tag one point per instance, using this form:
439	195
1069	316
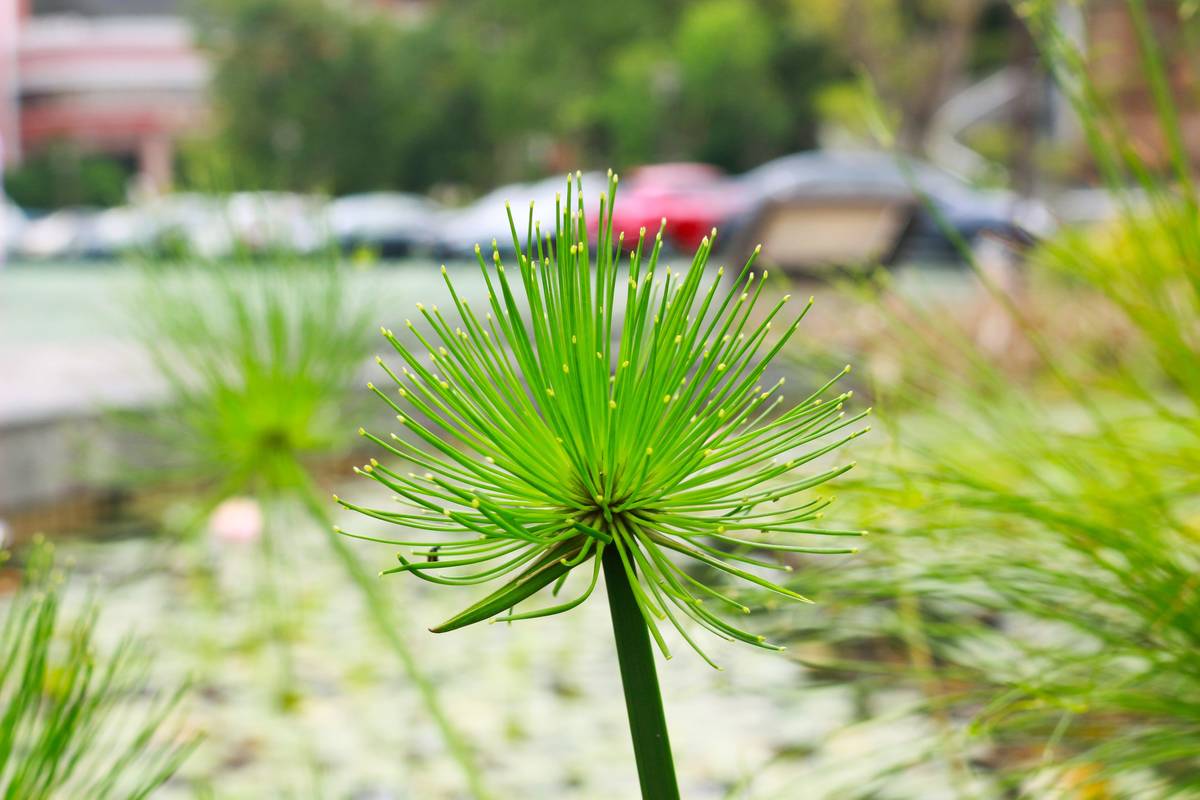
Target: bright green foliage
595	406
257	373
1051	532
69	722
259	357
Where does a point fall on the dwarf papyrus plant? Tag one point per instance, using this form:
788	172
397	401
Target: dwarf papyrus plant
604	414
258	357
75	721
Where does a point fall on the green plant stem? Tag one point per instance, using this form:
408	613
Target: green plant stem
277	627
385	621
643	703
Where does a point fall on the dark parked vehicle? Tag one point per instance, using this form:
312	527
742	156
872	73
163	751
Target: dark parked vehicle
393	224
843	209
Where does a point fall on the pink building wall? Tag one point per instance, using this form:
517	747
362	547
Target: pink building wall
11	12
124	85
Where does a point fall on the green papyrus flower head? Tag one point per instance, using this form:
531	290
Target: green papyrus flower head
604	401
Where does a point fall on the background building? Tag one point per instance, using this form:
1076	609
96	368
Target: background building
119	77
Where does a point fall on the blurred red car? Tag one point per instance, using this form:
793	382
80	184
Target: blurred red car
694	199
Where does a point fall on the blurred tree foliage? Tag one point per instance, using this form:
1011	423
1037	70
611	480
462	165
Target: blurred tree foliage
61	175
915	52
312	95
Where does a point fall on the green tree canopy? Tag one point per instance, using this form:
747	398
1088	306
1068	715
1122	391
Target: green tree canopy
310	95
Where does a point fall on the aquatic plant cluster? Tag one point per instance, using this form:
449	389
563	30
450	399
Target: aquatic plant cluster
549	433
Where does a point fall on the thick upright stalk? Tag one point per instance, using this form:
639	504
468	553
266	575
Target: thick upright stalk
386	623
643	703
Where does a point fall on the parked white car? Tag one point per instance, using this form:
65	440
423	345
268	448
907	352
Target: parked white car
393	224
